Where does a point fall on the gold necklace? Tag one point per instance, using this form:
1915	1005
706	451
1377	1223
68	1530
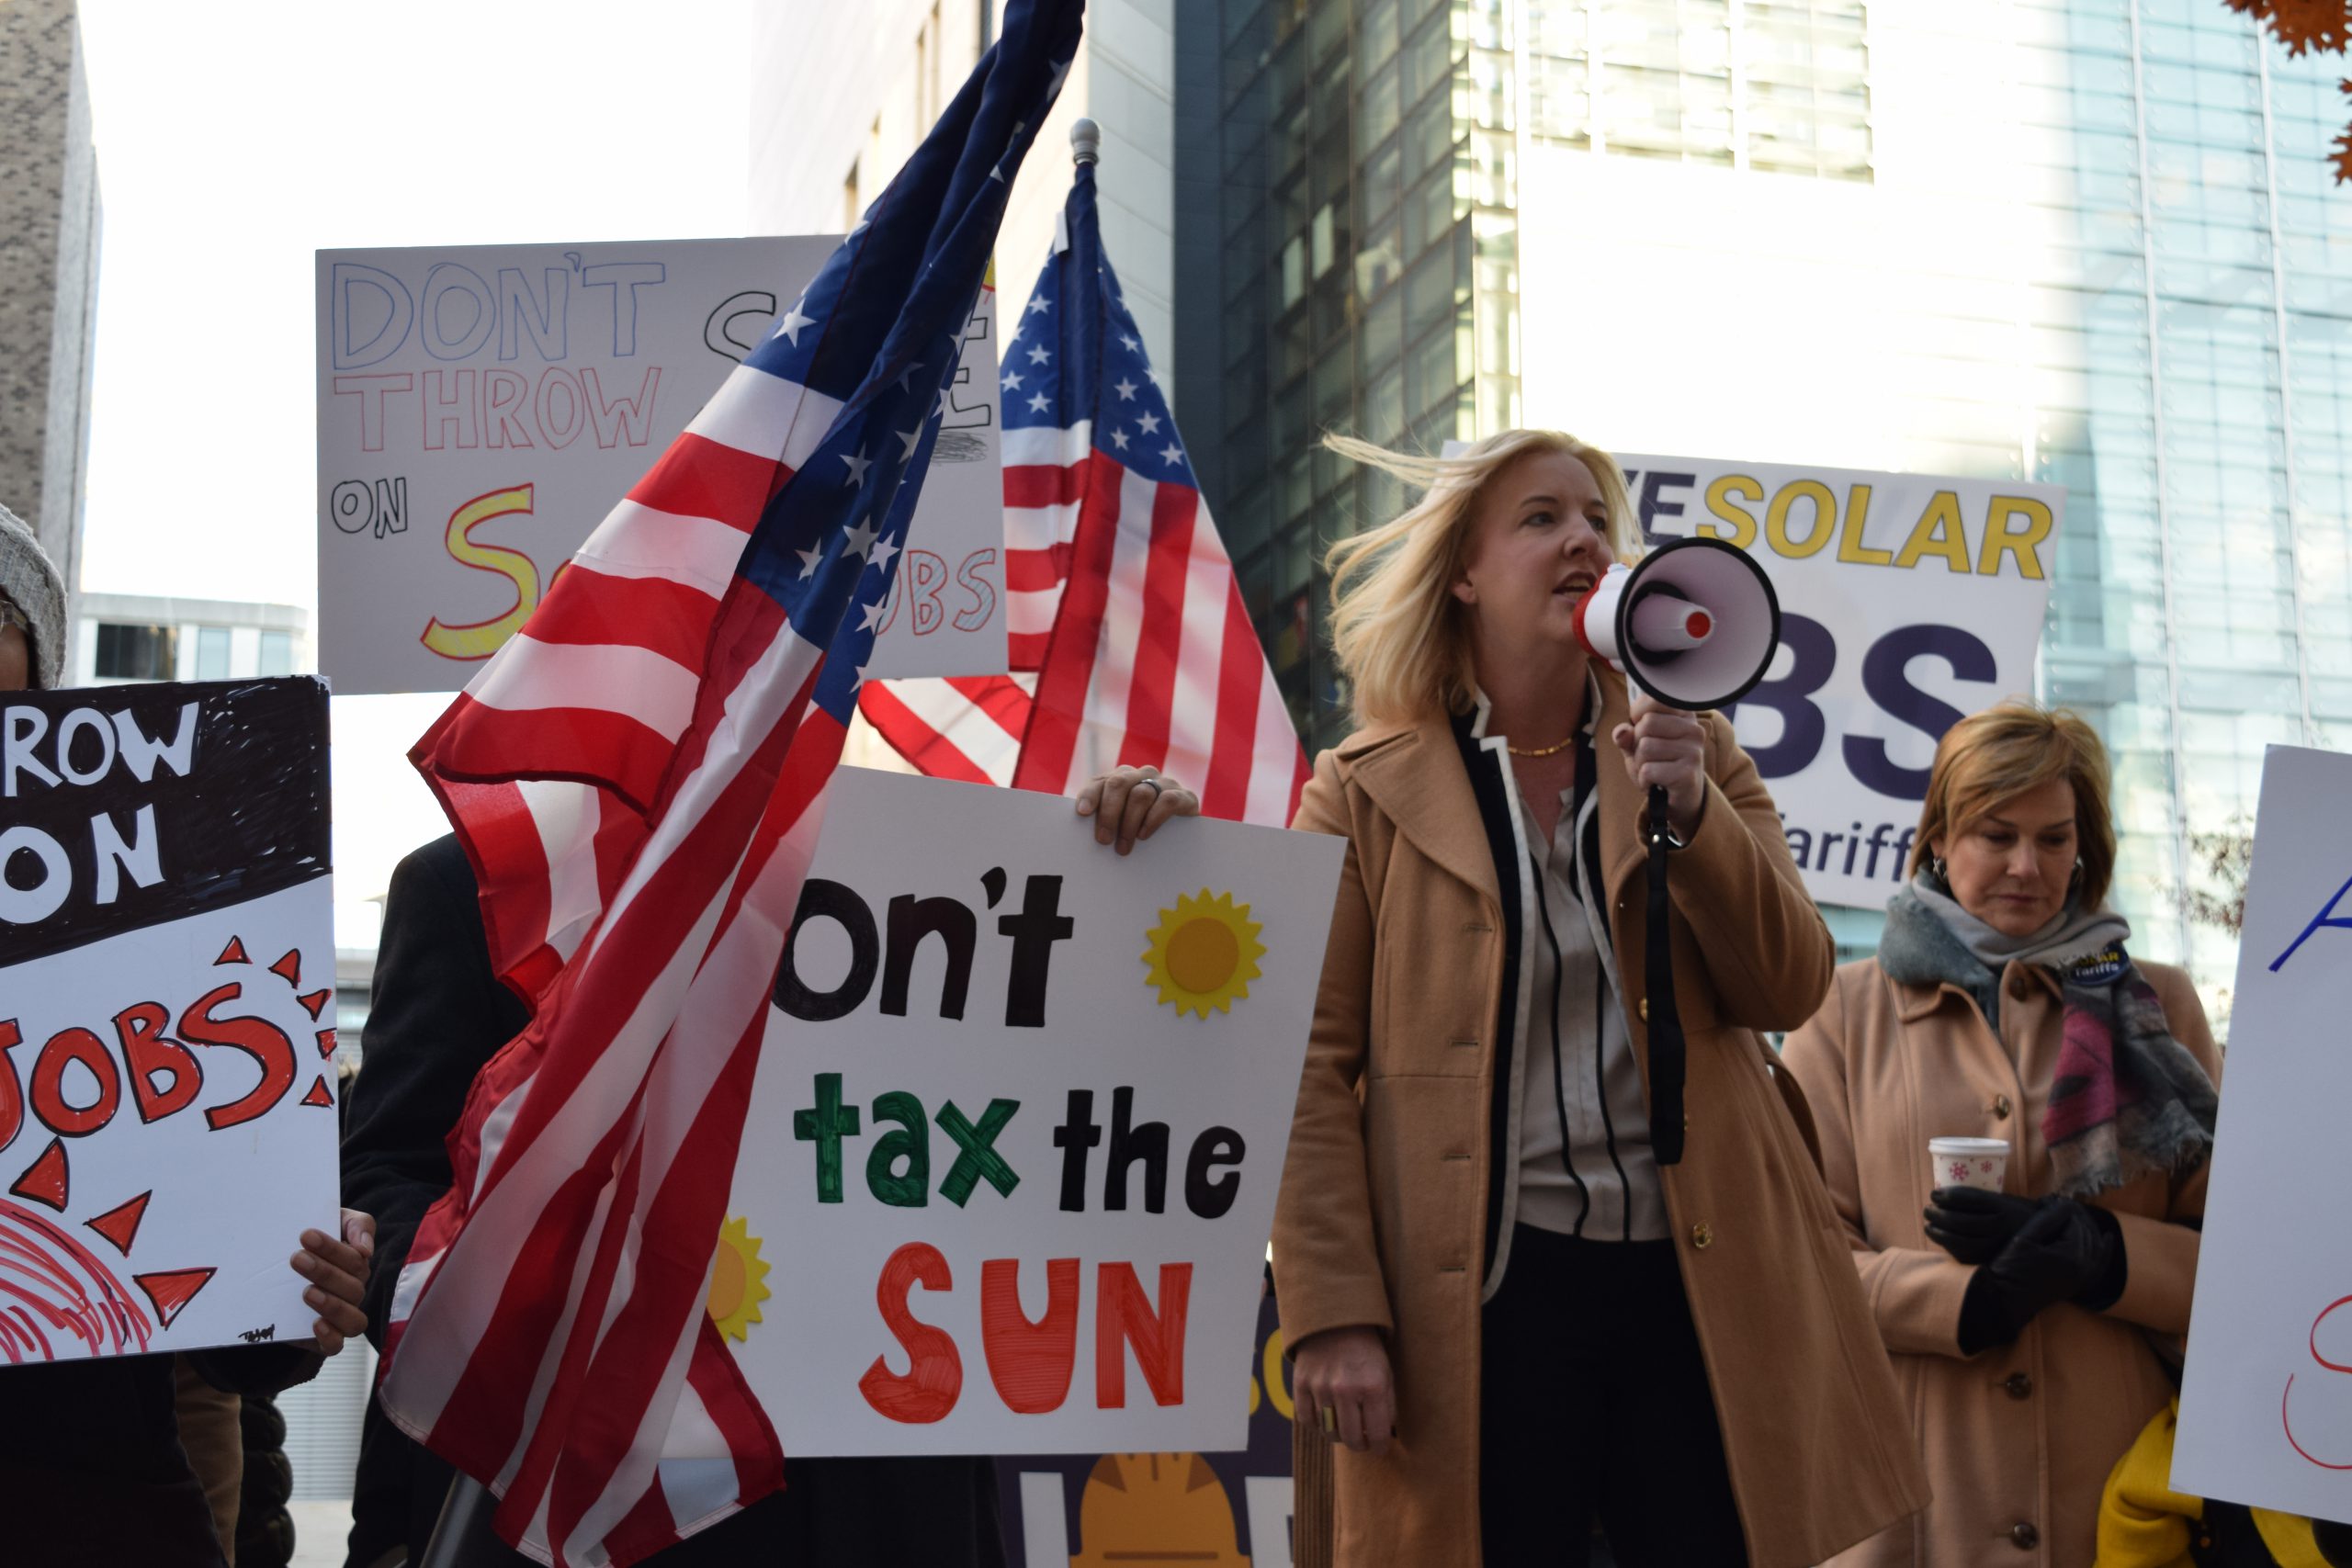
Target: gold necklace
1539	751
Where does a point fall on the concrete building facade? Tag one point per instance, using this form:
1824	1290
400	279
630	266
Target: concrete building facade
48	276
137	636
865	82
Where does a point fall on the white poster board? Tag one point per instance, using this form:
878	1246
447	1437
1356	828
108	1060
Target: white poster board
1907	601
937	1242
167	1092
481	408
2266	1408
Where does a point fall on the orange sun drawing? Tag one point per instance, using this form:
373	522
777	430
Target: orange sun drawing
738	1277
1203	954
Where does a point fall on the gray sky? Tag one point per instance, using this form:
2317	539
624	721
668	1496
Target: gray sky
234	140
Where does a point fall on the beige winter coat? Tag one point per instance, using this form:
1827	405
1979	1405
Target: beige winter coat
2017	1440
1383	1209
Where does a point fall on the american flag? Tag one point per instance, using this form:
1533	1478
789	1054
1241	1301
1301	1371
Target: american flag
637	778
1120	596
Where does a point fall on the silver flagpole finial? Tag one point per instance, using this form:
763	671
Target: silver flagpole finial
1085	141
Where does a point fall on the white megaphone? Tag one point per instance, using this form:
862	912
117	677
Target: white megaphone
1694	623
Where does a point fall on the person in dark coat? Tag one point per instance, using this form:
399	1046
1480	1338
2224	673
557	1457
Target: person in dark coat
92	1470
437	1016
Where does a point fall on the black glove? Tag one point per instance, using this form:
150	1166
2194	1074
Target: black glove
1972	1225
2066	1251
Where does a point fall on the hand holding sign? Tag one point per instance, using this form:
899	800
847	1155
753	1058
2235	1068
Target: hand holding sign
1131	804
338	1270
1030	1102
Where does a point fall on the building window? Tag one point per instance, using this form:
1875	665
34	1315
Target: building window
277	653
1777	86
137	653
211	653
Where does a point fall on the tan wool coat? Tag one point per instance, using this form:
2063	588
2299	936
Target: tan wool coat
2018	1441
1382	1216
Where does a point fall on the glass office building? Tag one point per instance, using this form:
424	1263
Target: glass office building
2088	243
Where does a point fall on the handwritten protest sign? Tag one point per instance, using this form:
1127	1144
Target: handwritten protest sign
2265	1409
1017	1128
167	1107
1216	1510
481	408
1907	601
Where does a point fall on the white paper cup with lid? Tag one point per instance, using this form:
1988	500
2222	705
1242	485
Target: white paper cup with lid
1967	1162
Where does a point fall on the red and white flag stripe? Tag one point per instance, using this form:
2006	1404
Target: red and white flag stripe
1154	660
1044	473
642	1056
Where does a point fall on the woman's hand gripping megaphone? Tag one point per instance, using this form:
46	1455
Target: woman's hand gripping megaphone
1664	746
1693	627
1667	748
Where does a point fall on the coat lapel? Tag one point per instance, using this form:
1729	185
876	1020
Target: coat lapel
1416	775
1620	804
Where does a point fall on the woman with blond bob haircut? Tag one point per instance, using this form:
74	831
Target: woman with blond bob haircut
2024	1314
1514	1312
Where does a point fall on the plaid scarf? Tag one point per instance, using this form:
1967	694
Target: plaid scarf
2127	1098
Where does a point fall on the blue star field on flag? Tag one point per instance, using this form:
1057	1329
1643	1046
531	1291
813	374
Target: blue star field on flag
1075	354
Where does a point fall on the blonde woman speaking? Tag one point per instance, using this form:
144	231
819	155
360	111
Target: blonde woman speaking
1514	1316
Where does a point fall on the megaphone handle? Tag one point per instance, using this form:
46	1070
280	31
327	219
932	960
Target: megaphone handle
1666	1047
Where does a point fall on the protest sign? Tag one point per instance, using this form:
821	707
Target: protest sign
2266	1408
1018	1124
1907	602
482	408
1217	1511
167	1104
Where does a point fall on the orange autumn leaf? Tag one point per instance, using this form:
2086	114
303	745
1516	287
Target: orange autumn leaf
2304	25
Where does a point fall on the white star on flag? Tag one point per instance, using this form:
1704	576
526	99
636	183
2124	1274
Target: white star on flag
873	619
912	438
861	538
809	559
857	467
794	320
1012	382
1129	339
1150	423
1036	307
1127	391
1040	402
1039	354
1119	439
1174	453
884	551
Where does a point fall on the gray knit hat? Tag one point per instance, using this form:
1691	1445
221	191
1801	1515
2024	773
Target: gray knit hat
28	580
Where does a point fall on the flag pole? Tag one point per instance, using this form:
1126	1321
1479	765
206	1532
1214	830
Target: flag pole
462	1537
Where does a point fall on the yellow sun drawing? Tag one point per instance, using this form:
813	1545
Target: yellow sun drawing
737	1277
1203	954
